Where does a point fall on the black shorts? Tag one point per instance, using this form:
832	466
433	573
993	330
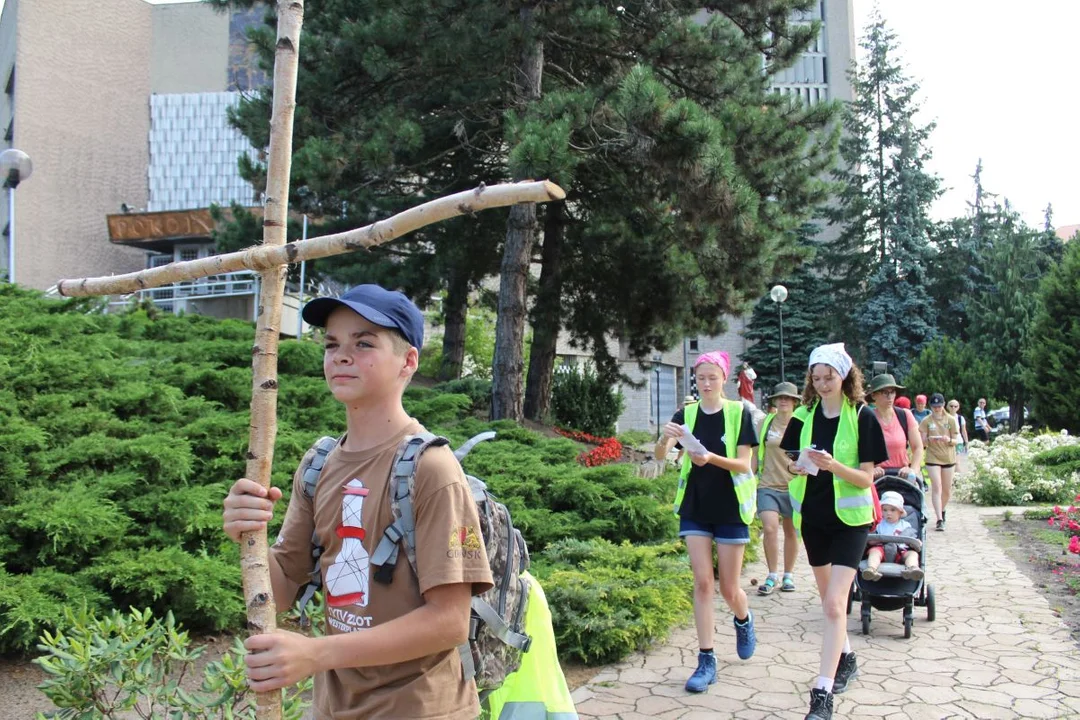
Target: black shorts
941	465
842	545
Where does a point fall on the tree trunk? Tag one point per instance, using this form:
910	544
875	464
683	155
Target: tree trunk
547	314
254	551
1016	414
455	314
508	364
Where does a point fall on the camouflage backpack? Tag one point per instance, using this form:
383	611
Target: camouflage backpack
496	629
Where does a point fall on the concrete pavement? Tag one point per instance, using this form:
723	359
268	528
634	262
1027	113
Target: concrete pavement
996	650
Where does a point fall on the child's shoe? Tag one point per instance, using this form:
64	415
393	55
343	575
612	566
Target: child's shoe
871	574
912	573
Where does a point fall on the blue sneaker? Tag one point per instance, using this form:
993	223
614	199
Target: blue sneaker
745	638
705	675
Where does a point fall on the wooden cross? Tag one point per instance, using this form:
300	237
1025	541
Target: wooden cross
271	260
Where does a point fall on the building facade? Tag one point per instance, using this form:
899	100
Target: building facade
76	100
123	107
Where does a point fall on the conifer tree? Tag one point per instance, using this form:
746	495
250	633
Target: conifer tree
1004	311
1053	356
684	172
805	312
876	267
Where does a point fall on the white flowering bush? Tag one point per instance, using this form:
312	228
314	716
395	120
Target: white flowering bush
1006	473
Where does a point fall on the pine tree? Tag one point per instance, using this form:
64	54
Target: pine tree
671	222
685	173
380	127
876	267
1053	353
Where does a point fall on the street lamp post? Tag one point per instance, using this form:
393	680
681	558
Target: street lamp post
779	295
15	166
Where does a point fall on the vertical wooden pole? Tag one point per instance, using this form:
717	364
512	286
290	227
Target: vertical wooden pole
254	549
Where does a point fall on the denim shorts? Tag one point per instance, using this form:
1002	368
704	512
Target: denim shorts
722	534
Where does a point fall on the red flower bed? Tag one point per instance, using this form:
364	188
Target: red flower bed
1068	521
607	449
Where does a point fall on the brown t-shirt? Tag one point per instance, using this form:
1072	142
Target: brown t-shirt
774	474
351	511
938	453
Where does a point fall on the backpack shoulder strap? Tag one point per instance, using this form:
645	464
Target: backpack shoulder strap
907	417
402	531
312	464
310	469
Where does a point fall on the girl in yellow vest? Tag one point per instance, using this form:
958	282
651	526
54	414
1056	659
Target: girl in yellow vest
837	441
715	503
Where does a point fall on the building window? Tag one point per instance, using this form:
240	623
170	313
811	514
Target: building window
9	87
694	345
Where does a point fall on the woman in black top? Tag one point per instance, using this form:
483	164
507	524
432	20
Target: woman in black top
834	548
709	511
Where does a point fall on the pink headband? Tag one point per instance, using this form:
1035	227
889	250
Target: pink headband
718	358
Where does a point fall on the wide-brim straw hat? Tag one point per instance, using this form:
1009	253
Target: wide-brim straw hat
785	389
882	382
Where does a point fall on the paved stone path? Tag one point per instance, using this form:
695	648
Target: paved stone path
996	650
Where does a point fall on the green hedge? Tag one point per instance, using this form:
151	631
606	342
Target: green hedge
610	600
119	435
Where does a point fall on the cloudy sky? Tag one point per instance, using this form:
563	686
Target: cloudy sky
998	77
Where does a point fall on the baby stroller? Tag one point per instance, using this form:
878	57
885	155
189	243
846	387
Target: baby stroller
892	591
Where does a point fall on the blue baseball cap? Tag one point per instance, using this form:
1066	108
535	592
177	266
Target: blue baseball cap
385	308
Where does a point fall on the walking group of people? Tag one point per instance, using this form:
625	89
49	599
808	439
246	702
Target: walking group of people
817	454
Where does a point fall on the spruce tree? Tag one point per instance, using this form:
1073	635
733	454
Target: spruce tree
876	266
1053	353
1004	311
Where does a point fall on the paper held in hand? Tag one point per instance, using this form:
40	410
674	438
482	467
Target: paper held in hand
804	463
690	443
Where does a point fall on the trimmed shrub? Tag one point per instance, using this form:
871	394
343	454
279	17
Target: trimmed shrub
1063	459
476	389
580	400
610	600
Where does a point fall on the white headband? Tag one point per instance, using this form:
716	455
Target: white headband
835	356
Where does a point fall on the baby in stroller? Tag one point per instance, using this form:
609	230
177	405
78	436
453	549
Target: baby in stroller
892	523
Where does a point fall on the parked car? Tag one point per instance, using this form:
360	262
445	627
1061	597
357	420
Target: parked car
999	419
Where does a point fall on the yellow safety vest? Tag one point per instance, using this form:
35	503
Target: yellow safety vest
761	441
537	690
745	483
854	505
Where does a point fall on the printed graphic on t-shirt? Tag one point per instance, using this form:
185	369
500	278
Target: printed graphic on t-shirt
464	542
347	578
